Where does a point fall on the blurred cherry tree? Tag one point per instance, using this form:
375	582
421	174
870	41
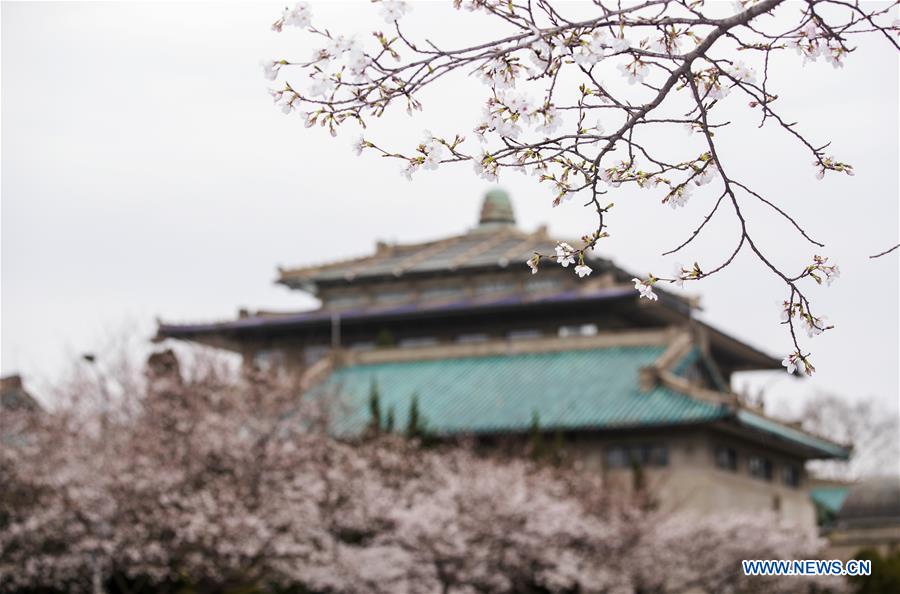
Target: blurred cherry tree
870	426
202	481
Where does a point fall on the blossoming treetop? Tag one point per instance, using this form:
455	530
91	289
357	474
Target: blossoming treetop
549	112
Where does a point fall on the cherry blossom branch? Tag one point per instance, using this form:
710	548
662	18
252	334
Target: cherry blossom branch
661	48
885	252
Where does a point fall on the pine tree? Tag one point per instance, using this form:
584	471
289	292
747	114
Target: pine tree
536	441
389	424
374	409
415	426
412	422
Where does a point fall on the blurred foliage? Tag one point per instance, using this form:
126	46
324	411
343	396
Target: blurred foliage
885	576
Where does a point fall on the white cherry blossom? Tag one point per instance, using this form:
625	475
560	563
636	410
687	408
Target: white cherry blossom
549	119
543	51
411	167
709	173
357	62
679	196
618	44
338	45
814	326
299	16
499	74
635	71
678	275
645	288
287	101
436	152
320	85
485	167
594	50
787	312
270	69
715	90
740	71
565	254
518	103
582	270
393	10
791	362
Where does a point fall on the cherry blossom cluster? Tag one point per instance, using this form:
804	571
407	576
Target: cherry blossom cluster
576	101
645	287
213	483
813	42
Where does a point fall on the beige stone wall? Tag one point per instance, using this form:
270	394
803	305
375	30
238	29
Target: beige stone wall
845	543
691	482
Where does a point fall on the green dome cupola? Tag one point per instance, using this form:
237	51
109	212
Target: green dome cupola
496	210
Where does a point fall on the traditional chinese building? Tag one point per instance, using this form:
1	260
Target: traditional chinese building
626	384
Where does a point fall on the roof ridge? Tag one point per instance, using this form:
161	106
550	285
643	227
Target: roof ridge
389	248
526	239
792	426
490	241
545	345
423	253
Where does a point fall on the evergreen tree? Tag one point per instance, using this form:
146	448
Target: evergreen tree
536	440
389	424
885	576
415	426
374	409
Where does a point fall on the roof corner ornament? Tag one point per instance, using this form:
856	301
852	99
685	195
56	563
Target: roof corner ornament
648	378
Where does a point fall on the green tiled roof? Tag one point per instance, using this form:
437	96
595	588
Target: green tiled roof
786	432
829	499
596	388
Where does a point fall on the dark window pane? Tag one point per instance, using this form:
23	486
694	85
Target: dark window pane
760	467
616	457
645	454
659	455
726	458
790	475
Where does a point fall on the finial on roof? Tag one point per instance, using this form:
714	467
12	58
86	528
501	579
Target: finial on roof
496	209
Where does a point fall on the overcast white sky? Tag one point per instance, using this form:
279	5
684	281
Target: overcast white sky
145	173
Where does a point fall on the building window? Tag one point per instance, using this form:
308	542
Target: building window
760	467
790	475
472	338
524	334
627	456
726	458
345	301
422	341
580	330
269	360
490	288
541	284
392	296
437	293
616	457
315	353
